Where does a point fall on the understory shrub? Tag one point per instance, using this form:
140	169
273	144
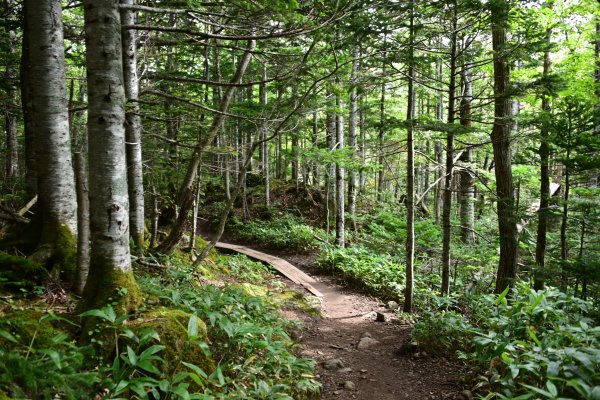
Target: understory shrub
532	345
249	340
285	232
380	275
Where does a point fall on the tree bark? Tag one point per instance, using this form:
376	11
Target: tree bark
10	76
544	151
352	114
447	206
111	275
264	146
83	199
340	182
28	123
410	171
133	131
467	190
507	221
380	141
49	111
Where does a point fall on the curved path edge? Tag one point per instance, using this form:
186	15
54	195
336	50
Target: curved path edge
281	265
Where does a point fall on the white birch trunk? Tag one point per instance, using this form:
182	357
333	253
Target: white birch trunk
49	112
110	266
133	131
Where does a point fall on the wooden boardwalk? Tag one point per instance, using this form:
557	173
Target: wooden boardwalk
284	267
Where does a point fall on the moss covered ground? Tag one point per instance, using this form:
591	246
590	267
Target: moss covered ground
213	332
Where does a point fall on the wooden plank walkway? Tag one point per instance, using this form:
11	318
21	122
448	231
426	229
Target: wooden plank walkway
284	267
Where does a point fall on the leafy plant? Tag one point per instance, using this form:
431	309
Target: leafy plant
379	275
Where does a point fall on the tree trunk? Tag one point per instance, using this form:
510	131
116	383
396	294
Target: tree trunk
507	221
83	198
264	146
363	147
467	189
447	208
544	151
56	182
330	127
186	192
10	80
340	182
410	171
352	113
133	131
111	275
380	142
315	141
439	154
28	123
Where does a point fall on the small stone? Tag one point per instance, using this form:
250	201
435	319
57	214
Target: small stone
392	305
466	395
337	392
333	364
363	371
366	334
380	317
349	385
345	370
366	342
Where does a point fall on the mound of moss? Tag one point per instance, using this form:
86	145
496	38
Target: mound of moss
171	325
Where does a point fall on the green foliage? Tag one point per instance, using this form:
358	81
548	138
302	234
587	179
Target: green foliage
37	361
531	343
380	275
285	232
385	232
244	269
255	353
19	272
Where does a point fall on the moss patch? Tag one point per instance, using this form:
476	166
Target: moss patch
111	286
19	272
29	328
293	299
172	328
58	253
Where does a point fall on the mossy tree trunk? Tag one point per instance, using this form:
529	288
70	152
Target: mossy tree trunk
111	276
49	114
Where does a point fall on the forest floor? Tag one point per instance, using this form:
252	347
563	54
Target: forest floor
360	357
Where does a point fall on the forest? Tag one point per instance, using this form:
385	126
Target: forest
300	199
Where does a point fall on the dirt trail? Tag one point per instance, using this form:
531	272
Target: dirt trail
361	358
378	369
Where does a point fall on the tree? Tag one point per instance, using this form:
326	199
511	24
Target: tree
544	152
133	130
10	80
49	116
111	274
447	205
507	221
410	169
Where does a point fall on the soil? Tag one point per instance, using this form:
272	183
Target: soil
382	370
385	370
